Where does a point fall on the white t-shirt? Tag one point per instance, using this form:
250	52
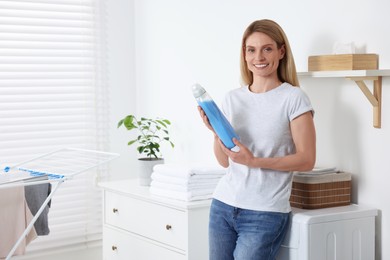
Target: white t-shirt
262	121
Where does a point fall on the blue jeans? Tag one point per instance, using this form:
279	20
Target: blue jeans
242	234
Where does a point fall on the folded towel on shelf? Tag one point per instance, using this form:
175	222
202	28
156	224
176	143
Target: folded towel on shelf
193	180
186	171
319	171
179	195
185	182
194	187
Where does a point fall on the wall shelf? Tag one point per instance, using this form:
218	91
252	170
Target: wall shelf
359	76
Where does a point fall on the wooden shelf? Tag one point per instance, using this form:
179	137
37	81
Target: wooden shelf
345	73
359	76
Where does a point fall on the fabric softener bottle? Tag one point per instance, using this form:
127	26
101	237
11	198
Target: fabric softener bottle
218	121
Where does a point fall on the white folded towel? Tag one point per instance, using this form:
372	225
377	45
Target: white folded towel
186	171
193	180
194	187
184	196
319	171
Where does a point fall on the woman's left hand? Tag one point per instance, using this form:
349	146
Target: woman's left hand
243	156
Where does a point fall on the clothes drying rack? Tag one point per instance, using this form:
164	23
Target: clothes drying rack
54	167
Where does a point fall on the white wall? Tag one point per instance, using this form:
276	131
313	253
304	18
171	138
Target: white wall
178	43
121	77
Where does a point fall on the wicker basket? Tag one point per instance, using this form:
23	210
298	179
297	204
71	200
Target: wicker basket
321	191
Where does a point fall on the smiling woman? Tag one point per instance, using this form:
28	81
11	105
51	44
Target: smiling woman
51	96
273	118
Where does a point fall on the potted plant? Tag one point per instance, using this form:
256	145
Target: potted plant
151	132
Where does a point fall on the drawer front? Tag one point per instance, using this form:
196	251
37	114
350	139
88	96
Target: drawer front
119	245
163	224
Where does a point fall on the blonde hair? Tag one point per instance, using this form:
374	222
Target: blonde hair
286	70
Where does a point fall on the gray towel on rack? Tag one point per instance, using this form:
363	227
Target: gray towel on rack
35	196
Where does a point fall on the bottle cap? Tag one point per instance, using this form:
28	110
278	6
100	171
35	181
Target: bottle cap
198	90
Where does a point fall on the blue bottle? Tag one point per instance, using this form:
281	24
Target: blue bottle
218	121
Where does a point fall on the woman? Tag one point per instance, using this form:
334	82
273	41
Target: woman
250	210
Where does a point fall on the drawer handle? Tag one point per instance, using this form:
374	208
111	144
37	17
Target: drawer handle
114	210
168	227
114	248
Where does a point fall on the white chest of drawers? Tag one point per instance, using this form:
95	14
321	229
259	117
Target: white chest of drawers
140	226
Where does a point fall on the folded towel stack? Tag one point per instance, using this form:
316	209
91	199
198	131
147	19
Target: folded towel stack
183	182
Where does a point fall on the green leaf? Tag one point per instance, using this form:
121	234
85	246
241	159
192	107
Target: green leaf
161	123
120	123
132	142
128	122
141	149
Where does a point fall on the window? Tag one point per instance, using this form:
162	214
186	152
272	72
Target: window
53	94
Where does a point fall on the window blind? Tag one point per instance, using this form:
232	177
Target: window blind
53	94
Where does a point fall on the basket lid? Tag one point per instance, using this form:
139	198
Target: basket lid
321	178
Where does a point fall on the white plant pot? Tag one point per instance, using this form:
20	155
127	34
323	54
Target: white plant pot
145	169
